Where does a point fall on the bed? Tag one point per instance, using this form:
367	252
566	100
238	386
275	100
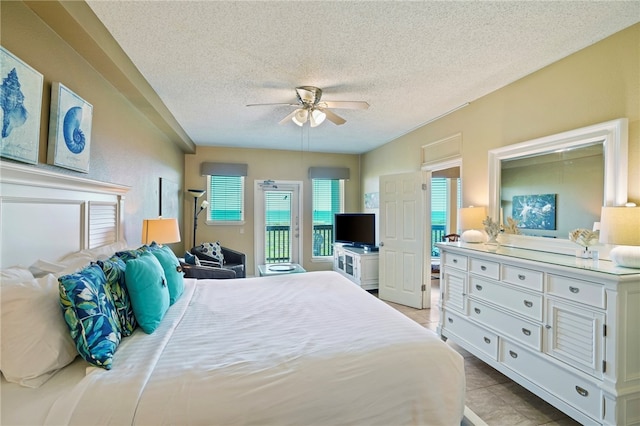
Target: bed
309	348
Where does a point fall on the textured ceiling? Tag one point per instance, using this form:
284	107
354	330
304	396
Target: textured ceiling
411	61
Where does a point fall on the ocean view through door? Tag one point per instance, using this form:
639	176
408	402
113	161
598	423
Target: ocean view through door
277	223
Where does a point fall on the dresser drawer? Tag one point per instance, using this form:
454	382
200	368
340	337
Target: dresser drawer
523	331
484	340
576	290
484	268
523	277
455	261
528	304
562	382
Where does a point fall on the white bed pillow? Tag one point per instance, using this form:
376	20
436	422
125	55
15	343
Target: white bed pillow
76	261
34	339
15	274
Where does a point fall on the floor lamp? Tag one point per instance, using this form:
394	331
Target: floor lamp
197	193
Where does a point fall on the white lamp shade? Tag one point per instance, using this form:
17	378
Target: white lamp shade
620	225
162	231
300	117
471	218
469	222
317	117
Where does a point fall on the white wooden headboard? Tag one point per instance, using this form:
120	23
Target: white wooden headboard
46	215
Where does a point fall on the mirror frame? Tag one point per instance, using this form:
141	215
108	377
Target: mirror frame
613	134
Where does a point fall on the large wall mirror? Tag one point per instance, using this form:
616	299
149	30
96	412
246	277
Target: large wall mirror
558	183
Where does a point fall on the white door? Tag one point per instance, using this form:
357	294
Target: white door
404	271
277	222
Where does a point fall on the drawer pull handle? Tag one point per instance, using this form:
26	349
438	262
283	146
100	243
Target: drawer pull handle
513	354
479	287
450	320
528	303
582	391
455	260
483	268
487	340
477	310
573	289
526	332
521	277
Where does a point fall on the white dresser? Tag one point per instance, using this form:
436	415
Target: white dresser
567	329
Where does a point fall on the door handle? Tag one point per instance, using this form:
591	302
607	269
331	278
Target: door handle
381	243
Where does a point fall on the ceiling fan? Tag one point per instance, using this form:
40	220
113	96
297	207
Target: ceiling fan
312	109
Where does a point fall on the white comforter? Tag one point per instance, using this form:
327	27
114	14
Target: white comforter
298	349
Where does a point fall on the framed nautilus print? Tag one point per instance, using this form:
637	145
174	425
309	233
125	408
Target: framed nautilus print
69	129
21	102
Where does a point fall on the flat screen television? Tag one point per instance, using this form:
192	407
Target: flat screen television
355	229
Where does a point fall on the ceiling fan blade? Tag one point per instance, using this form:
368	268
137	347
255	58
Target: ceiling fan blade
332	117
288	117
277	103
347	104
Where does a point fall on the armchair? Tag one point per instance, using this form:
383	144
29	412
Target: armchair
233	260
206	272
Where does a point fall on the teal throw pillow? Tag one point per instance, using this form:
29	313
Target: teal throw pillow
90	314
113	269
172	270
190	259
147	285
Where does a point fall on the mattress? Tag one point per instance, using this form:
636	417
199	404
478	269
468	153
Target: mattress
309	349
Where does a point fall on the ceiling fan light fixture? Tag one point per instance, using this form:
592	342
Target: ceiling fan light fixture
300	117
317	117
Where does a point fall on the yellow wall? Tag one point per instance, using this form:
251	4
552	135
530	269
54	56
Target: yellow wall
126	148
265	164
597	84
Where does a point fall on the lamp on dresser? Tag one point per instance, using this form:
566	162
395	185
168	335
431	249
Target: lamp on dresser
621	226
197	193
470	222
160	230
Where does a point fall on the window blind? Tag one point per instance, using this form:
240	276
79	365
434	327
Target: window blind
327	201
439	201
226	198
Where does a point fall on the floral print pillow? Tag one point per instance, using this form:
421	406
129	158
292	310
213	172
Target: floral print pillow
113	269
90	314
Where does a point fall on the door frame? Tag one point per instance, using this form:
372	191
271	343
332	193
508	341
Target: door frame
258	218
434	167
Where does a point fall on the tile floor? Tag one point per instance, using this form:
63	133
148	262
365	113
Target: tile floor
491	395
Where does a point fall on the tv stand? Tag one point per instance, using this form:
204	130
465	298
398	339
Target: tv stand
357	264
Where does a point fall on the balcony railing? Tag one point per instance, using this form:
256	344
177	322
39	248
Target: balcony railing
278	238
278	244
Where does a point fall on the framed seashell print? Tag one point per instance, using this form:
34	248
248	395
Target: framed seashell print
21	101
69	129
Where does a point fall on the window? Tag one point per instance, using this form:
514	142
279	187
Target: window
226	199
441	189
328	195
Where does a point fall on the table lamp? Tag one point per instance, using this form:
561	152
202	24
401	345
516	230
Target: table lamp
160	230
621	226
470	224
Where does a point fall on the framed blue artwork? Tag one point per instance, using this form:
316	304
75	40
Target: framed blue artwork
535	211
69	129
21	100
